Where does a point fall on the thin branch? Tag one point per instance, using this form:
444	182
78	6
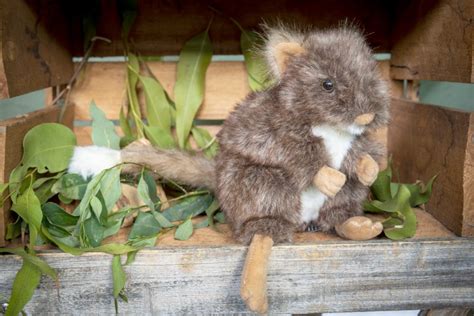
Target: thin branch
75	75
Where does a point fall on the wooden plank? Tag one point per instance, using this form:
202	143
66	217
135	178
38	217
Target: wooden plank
226	85
427	140
434	40
162	27
12	132
320	277
33	49
428	228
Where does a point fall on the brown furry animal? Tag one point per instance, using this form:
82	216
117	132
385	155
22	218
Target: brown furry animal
286	152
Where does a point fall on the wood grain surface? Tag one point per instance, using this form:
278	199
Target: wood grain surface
304	278
34	50
434	40
427	140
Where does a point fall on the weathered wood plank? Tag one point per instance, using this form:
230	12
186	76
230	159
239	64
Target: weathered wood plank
427	140
434	40
12	132
33	46
162	27
322	277
226	84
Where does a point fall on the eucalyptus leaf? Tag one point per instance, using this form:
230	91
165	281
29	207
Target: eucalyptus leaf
158	137
26	281
29	208
158	108
408	229
189	206
48	147
219	217
40	181
202	224
118	276
125	124
103	130
44	192
144	193
93	232
71	185
113	249
145	226
205	141
185	230
13	229
33	259
110	187
254	64
57	216
189	88
211	211
96	206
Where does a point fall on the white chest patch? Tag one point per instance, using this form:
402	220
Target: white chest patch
337	143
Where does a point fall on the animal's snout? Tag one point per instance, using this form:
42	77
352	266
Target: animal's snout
364	119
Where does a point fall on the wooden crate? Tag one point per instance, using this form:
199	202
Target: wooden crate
431	39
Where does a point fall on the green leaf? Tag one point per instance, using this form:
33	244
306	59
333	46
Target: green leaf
26	281
408	229
110	187
71	186
93	232
48	147
57	216
189	206
14	229
163	221
113	249
185	230
96	206
220	217
118	275
125	124
381	186
44	193
205	140
422	196
158	137
202	224
158	108
211	211
33	259
131	257
255	64
144	193
103	130
189	88
40	181
29	208
145	226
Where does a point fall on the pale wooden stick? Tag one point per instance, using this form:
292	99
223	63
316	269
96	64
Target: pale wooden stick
253	286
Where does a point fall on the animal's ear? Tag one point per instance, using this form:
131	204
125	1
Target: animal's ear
284	51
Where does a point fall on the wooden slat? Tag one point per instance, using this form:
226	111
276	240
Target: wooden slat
226	85
434	40
304	278
12	132
33	46
163	26
428	228
427	140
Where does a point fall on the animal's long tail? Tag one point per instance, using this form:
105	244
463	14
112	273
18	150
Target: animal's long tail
182	167
193	170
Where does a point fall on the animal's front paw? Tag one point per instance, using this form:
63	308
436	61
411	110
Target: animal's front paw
329	181
367	170
359	228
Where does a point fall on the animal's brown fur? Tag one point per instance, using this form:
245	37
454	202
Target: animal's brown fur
268	154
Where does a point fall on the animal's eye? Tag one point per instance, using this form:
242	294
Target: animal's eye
328	85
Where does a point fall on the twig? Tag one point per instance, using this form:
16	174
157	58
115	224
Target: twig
75	75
